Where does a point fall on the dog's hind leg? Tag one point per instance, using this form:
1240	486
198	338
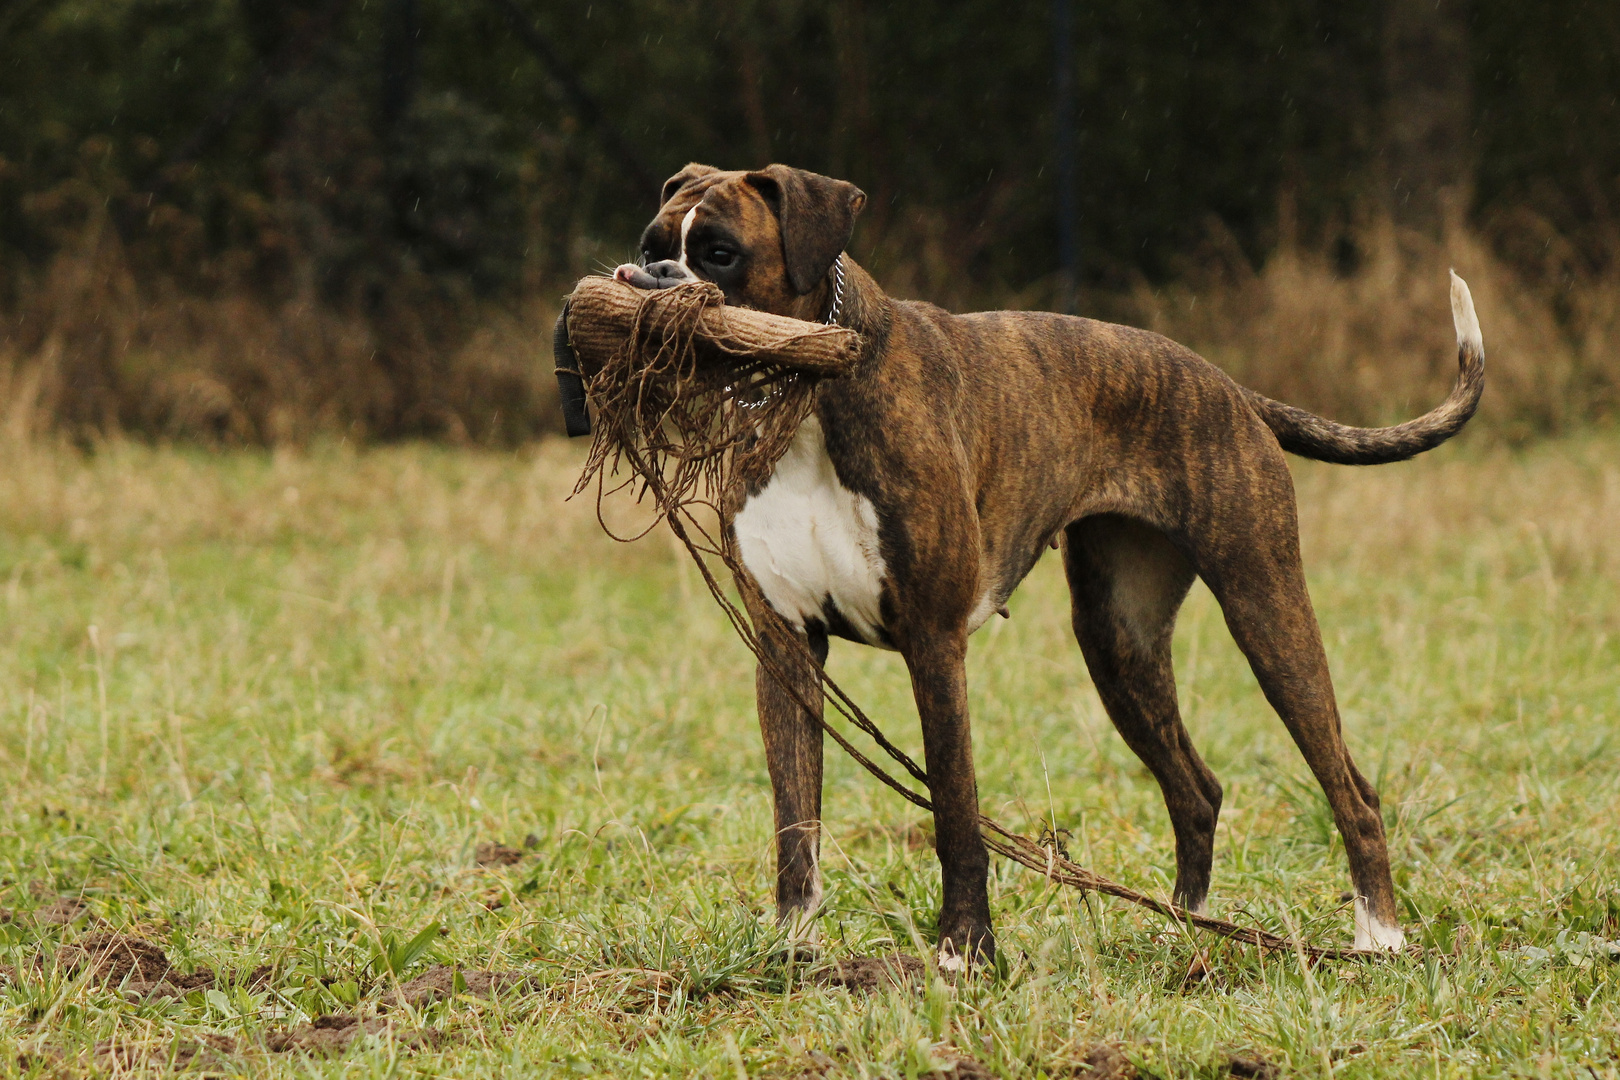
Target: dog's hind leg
793	747
1255	573
1127	582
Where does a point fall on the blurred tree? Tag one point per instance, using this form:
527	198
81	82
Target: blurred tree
385	155
1427	110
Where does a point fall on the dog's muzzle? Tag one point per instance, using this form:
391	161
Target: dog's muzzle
659	275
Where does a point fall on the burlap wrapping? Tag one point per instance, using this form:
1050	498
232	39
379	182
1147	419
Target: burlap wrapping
699	394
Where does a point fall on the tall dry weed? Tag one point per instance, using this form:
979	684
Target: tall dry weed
97	346
1376	344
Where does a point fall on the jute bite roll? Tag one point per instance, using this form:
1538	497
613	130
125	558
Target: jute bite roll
681	384
603	314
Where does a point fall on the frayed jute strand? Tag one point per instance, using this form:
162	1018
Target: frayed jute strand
687	432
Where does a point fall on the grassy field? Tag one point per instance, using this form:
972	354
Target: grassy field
267	712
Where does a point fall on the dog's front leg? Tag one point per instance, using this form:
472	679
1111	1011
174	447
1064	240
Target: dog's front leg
792	739
939	681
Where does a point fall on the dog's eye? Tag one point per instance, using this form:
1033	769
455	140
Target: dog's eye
721	257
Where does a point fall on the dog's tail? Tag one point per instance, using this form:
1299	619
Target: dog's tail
1308	435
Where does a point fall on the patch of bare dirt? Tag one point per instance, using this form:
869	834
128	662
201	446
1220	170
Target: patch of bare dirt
895	970
335	1033
438	983
491	853
140	967
115	957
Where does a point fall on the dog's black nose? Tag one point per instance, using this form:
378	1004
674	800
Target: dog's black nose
669	272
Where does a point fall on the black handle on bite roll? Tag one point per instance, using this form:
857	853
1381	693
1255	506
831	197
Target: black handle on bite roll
569	382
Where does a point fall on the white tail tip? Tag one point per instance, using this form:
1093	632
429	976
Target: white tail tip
1462	313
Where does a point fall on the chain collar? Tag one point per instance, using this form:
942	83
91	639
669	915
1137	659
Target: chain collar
837	308
791	377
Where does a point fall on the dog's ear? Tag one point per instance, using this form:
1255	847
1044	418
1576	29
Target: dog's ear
817	215
688	174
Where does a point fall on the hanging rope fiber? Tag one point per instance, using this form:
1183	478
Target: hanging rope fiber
693	399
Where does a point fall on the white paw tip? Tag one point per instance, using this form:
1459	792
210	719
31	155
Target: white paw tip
1463	315
952	962
1375	935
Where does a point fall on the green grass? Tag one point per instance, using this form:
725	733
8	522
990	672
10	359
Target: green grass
260	710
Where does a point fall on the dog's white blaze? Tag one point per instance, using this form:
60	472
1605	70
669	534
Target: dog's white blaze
807	538
1372	934
686	227
1463	316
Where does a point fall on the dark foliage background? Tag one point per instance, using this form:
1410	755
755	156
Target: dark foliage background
321	204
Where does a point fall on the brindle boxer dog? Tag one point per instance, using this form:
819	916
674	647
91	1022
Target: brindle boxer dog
929	481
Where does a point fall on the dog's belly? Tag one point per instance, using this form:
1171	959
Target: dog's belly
811	543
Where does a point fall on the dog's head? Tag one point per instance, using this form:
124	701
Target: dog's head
768	238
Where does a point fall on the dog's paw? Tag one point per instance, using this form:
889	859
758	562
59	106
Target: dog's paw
953	960
1375	935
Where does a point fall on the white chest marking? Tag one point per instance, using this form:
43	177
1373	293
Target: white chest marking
806	539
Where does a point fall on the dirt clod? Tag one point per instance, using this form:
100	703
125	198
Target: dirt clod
141	968
491	853
115	957
333	1034
438	983
1258	1068
872	972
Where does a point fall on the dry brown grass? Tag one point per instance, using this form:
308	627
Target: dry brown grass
96	345
1377	344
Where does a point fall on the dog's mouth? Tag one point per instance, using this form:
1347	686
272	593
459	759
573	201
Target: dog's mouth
631	274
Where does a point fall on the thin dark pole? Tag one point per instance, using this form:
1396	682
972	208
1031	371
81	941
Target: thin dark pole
1068	170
